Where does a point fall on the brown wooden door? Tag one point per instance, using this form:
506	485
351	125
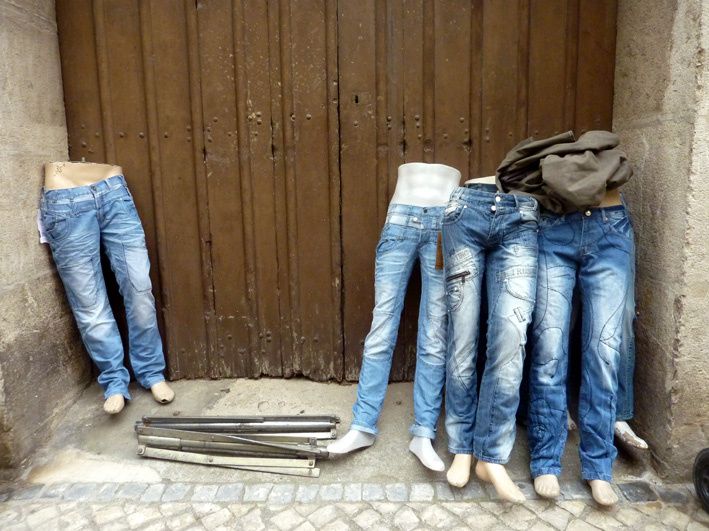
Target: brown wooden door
261	139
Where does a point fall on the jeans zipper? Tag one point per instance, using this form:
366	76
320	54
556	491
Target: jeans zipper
460	275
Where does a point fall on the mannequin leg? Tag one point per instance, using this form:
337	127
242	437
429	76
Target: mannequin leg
74	241
464	264
548	415
511	291
430	357
626	372
604	279
124	241
395	257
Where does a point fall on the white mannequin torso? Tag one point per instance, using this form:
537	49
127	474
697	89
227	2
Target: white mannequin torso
425	185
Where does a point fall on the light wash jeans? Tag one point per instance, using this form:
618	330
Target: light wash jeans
491	235
78	222
595	250
410	234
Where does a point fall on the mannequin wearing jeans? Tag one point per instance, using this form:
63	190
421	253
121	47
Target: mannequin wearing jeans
410	234
491	235
85	207
595	249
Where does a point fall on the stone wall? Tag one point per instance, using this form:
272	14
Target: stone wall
43	367
660	112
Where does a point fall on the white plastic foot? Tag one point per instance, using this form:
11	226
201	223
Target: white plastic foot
603	492
497	475
353	440
626	435
162	393
114	404
547	486
458	474
422	448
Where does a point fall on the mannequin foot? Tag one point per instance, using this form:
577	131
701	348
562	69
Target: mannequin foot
497	475
459	473
627	436
547	486
422	448
602	492
570	424
114	404
353	440
162	393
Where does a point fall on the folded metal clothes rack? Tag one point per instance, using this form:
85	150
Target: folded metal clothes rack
275	444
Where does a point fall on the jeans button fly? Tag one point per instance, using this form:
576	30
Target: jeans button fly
498	198
493	208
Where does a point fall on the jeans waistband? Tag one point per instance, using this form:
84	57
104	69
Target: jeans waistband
591	214
415	216
83	193
488	194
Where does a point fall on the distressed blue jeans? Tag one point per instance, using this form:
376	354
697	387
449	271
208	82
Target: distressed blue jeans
595	250
493	236
78	222
409	234
626	367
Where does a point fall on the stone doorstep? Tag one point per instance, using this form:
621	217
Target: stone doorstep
286	493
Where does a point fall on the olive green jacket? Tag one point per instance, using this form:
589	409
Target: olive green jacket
565	174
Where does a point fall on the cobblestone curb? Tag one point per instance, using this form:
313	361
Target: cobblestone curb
287	493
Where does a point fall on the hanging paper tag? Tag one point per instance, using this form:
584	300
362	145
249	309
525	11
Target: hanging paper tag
439	251
40	228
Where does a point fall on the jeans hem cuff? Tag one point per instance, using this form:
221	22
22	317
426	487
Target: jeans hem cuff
365	429
422	431
493	460
554	471
463	451
148	383
108	394
590	476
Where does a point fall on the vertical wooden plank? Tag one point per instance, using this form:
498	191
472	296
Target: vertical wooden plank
453	82
571	66
200	176
596	64
474	139
413	80
123	99
288	164
169	57
221	150
501	116
75	24
257	106
104	79
358	160
333	161
309	56
547	67
279	123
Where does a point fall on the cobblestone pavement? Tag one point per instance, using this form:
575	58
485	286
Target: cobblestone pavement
279	506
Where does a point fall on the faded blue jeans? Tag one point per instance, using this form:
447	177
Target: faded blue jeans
78	222
494	235
595	249
410	234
